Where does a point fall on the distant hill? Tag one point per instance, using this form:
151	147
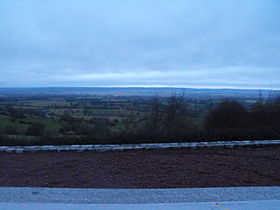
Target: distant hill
139	91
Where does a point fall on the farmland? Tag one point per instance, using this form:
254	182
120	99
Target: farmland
71	117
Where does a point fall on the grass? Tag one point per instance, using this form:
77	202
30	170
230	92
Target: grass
6	121
52	125
106	112
46	103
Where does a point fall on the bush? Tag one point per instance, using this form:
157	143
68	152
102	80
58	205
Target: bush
154	123
35	129
12	130
227	115
266	114
177	121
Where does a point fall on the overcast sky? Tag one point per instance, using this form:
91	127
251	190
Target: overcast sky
195	43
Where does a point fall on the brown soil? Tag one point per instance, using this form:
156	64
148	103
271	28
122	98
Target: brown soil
179	168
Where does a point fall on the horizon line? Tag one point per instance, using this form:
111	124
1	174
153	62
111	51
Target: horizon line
150	86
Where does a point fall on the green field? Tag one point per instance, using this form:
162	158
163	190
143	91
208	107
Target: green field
87	119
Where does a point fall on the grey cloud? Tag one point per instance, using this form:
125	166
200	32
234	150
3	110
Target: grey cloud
188	43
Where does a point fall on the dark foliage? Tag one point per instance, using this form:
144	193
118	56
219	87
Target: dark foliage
177	121
227	115
266	114
35	129
167	120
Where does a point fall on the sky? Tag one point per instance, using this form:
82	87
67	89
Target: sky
157	43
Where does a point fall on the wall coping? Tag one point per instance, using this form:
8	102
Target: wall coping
120	147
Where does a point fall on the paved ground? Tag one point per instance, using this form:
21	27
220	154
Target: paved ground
136	196
109	199
236	205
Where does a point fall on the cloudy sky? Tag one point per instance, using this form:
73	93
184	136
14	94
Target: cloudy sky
184	43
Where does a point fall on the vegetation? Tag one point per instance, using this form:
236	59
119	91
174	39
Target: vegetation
102	119
227	115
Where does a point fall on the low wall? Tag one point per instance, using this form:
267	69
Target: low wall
111	147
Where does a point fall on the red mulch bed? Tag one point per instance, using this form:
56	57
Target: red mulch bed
208	167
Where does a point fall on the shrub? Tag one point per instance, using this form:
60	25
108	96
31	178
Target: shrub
35	129
266	114
177	121
227	115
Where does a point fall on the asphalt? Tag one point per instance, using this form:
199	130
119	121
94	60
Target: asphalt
136	196
236	205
